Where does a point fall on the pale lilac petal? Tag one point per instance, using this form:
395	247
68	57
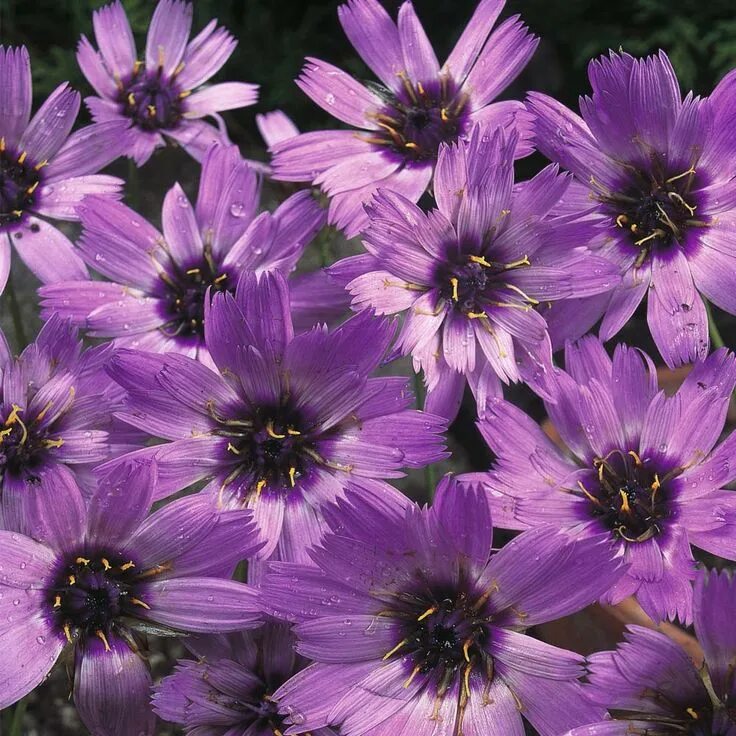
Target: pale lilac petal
168	35
115	38
420	60
196	137
275	127
206	54
15	93
624	301
219	97
51	124
92	64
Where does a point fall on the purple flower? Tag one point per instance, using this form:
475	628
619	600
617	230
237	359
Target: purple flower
469	275
155	96
108	574
658	173
229	689
640	466
45	171
413	622
650	686
159	282
56	423
416	106
286	422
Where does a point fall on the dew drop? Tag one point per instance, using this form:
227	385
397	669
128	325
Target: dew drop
237	209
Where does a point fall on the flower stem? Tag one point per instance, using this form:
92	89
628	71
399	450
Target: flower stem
20	333
715	335
17	722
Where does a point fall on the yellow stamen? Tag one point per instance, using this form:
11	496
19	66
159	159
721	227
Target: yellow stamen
5	432
231	448
131	99
106	564
692	713
516	264
621	220
82	561
293	432
53	443
690	171
44	411
421	88
411	144
636	457
72	580
390	654
443	114
259	488
588	495
43	163
151	110
68	633
101	636
455	283
2	144
179	69
139	602
413	674
625	502
127	566
23	156
655	234
57	601
18	213
466	648
480	260
271	433
13	416
192	271
466	680
428	613
137	66
292	475
32	188
220	279
476	315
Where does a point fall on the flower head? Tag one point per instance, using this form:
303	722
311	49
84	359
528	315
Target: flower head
45	172
416	106
158	95
286	421
56	423
650	683
229	689
109	573
641	466
470	274
413	621
658	172
159	282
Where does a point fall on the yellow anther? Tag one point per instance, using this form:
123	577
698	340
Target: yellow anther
127	566
53	443
621	220
466	680
220	279
390	654
271	433
292	432
413	674
101	636
588	495
480	260
185	94
5	432
43	163
23	156
420	87
692	713
72	580
2	144
466	649
292	476
57	601
18	213
231	448
193	271
455	284
690	171
654	234
655	483
179	69
625	502
443	114
68	633
636	457
151	110
139	602
412	145
259	488
13	416
428	613
516	264
137	66
476	315
81	561
44	411
32	188
131	99
105	563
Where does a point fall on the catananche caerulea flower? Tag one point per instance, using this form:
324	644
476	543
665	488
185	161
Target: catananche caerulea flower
229	690
469	275
659	177
159	282
416	106
650	685
286	421
641	466
56	423
107	574
158	95
416	627
45	171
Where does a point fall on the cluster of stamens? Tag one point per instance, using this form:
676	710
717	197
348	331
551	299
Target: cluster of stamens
23	445
471	284
630	497
270	449
19	179
446	640
415	122
656	211
185	296
151	100
90	595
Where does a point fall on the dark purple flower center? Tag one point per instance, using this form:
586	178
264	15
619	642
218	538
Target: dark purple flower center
24	446
19	180
91	592
415	121
630	496
657	210
185	291
444	635
151	100
473	283
272	450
